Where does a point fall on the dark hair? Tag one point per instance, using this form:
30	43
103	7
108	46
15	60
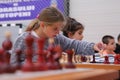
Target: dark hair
106	39
71	26
118	38
48	15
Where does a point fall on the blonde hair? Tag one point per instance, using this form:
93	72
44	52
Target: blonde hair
48	15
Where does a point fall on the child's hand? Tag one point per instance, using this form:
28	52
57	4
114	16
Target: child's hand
99	47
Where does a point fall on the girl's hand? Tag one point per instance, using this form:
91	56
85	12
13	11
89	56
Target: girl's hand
99	47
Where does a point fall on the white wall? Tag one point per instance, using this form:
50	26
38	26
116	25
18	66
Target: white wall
100	17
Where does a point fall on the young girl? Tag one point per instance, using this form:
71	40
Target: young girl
48	25
73	29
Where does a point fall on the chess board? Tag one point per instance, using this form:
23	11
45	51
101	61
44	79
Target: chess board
101	59
64	74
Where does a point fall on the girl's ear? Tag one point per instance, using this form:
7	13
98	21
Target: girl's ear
70	34
42	24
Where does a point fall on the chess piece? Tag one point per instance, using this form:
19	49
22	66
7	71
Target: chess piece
40	65
63	58
7	45
50	58
28	65
57	56
76	58
106	60
70	63
93	61
88	59
79	56
116	59
2	68
18	53
83	58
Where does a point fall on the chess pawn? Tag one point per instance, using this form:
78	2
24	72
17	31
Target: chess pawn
77	58
62	59
28	65
106	60
7	45
88	59
83	58
70	63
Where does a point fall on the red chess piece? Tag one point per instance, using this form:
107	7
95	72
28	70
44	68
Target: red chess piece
40	65
51	63
18	53
117	59
106	60
57	56
2	64
69	63
83	58
28	65
7	45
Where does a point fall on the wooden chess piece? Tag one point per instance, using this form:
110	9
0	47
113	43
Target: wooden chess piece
2	64
83	58
106	60
50	56
93	61
70	63
57	56
28	65
7	45
116	59
40	65
18	53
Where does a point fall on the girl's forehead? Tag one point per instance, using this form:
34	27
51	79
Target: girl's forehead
57	24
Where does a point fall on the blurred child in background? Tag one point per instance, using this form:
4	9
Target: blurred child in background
73	29
117	50
109	42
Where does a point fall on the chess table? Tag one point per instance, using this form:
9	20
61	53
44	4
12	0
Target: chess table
98	66
64	74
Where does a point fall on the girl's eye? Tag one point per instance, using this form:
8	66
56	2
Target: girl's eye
55	29
80	33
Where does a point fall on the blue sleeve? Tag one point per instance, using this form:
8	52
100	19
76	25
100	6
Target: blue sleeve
80	47
19	44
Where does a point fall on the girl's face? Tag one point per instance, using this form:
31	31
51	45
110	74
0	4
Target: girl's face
78	35
52	30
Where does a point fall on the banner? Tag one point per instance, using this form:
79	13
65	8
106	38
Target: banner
25	9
